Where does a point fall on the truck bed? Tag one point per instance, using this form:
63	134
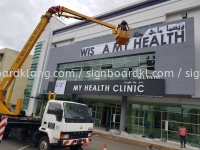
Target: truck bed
22	122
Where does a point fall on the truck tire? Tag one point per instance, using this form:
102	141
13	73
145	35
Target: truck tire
44	144
5	136
6	133
76	147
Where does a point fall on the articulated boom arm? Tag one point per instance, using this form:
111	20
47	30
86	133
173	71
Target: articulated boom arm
121	38
60	10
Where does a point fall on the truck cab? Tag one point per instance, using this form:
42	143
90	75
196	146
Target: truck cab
65	124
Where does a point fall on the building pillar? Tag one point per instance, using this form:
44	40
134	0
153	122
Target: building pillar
150	120
73	97
123	114
198	122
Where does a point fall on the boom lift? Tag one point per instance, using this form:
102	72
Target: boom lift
121	38
64	123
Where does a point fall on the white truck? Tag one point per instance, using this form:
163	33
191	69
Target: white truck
63	124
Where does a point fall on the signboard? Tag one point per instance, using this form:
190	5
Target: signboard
164	35
149	88
60	86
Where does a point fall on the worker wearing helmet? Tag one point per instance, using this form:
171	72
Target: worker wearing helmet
124	25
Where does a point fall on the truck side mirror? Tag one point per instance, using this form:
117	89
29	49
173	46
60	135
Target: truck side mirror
59	115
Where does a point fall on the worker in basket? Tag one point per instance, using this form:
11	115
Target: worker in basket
124	26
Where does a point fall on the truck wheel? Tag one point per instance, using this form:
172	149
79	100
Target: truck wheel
44	144
5	136
6	133
76	147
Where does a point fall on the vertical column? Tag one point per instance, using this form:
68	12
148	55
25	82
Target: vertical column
73	97
123	114
198	122
150	121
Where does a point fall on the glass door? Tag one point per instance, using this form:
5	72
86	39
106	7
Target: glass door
117	117
98	116
112	119
38	109
156	129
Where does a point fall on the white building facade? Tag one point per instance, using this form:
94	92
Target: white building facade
172	100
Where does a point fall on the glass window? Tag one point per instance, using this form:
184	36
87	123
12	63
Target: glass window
67	69
72	110
95	62
77	64
32	66
38	48
59	78
39	105
38	44
132	64
92	78
84	79
96	67
33	69
53	108
85	73
117	74
35	61
86	63
118	65
132	58
69	65
104	78
118	59
147	62
107	61
86	68
147	56
61	69
30	82
106	66
61	66
76	69
36	54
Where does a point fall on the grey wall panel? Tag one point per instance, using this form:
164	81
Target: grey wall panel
169	57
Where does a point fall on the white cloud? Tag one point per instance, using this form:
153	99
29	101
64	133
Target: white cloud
19	18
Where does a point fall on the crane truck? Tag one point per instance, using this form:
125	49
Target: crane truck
63	123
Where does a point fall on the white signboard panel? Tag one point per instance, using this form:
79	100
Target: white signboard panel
60	86
167	34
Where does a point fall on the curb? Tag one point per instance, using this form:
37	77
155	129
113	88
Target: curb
131	141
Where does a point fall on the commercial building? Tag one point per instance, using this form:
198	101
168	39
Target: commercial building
6	60
164	47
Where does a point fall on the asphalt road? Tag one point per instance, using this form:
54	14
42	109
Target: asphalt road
96	144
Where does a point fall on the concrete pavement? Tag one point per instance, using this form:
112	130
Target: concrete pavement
96	144
141	142
101	137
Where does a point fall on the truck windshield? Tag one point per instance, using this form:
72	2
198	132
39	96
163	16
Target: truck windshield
77	111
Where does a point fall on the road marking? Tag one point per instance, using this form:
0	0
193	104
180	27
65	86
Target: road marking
24	147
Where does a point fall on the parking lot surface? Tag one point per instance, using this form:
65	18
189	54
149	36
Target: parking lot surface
96	144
